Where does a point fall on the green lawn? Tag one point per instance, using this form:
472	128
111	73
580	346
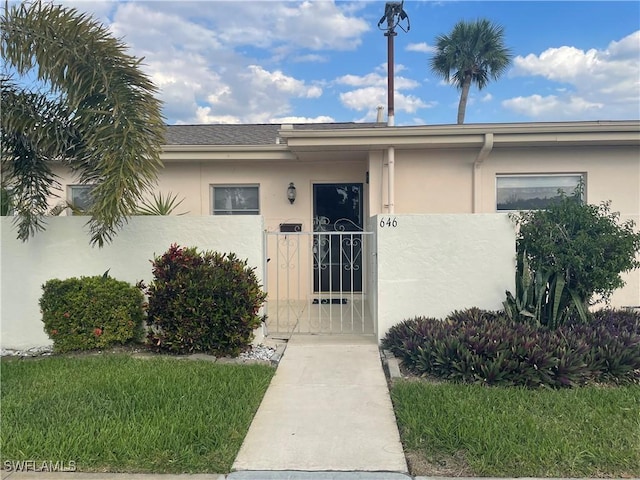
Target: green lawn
491	431
116	413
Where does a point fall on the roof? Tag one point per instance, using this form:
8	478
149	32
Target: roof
244	134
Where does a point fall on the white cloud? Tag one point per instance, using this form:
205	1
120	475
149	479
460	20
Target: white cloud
408	103
214	61
164	34
203	115
374	79
551	106
219	94
563	64
98	9
422	47
592	78
263	80
318	119
185	82
364	98
371	91
487	98
309	24
627	48
368	98
378	78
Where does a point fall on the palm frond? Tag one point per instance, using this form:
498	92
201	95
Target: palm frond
109	124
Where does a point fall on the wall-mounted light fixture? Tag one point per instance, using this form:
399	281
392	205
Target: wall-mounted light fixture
291	193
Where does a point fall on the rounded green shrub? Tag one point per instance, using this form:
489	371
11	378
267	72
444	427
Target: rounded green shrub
569	255
202	302
91	312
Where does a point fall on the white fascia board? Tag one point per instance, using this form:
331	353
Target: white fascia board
438	136
176	153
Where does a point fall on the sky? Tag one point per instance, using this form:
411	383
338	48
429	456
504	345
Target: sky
270	61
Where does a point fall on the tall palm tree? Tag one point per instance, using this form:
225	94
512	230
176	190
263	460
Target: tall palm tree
94	111
472	53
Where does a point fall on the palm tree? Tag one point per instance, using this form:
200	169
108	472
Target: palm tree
94	111
474	52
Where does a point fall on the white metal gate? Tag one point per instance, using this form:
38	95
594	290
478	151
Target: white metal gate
316	282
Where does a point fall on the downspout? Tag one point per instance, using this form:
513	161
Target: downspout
477	165
391	172
391	153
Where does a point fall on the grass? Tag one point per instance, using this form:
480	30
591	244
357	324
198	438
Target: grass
592	431
121	414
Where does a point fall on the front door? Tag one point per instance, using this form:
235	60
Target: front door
337	243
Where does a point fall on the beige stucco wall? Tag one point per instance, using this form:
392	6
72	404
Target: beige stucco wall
612	173
429	180
192	181
442	181
426	181
273	179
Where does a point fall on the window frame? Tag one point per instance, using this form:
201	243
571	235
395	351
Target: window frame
248	211
70	197
580	176
11	211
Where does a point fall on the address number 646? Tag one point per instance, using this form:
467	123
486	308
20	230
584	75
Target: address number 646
388	222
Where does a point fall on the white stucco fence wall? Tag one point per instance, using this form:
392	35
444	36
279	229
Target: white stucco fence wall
430	265
63	251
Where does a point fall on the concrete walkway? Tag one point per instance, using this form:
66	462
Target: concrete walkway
327	409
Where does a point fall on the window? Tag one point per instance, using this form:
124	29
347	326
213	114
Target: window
533	192
236	200
80	198
7	206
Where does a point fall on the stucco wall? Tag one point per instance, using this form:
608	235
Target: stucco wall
612	173
426	181
441	181
192	180
63	251
430	265
429	180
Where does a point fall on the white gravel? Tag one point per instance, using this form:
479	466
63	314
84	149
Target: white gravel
29	352
258	352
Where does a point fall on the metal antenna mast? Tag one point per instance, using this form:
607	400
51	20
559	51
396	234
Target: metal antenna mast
394	14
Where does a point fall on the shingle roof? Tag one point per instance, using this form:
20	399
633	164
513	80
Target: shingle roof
242	134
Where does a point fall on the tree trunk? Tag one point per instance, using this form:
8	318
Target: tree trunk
464	95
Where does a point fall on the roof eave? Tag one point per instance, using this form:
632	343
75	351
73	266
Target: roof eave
226	152
467	136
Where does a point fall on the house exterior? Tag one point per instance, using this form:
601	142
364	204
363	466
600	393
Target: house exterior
344	174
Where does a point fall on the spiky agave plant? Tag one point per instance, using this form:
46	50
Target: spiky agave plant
160	205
